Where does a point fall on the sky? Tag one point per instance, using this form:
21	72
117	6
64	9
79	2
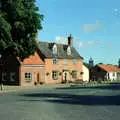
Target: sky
94	25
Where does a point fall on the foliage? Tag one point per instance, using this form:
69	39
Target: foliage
19	23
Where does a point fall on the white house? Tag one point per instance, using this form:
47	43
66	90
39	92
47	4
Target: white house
106	72
85	73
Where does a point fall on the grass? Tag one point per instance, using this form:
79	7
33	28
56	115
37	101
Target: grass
97	83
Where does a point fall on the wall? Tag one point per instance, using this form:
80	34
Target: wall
85	73
60	66
34	70
10	65
35	65
111	77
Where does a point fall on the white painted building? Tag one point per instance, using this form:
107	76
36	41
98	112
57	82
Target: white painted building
111	76
106	72
85	73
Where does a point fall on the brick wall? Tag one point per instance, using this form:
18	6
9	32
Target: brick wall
60	66
34	70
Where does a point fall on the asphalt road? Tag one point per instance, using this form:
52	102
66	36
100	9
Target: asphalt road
66	103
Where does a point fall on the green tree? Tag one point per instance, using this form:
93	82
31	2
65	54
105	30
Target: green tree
19	23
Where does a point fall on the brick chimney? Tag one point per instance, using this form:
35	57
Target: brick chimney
70	41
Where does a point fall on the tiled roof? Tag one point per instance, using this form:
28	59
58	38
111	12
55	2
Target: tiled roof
109	68
35	59
46	50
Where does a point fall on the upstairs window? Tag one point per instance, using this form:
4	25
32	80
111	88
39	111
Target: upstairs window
65	61
54	49
68	50
54	61
74	61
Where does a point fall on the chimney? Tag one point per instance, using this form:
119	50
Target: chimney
70	41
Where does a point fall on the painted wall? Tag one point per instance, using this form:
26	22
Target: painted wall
60	66
111	76
85	73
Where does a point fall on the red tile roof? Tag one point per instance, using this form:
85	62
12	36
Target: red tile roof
109	68
35	59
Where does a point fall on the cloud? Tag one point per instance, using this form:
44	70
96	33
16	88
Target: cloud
80	44
92	27
61	40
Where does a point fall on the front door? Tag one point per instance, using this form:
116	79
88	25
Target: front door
38	78
65	76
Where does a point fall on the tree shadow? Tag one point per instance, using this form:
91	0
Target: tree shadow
111	86
73	99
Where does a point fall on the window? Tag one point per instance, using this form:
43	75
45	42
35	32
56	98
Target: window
65	61
54	61
74	61
113	74
74	74
28	76
108	76
54	49
12	76
4	75
68	51
55	75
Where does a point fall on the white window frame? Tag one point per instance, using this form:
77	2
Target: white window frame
68	50
4	74
28	76
74	61
65	61
12	74
54	49
74	74
54	75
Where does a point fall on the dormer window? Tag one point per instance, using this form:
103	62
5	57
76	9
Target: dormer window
54	49
68	50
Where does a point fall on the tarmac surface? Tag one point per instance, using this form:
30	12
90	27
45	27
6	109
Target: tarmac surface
60	102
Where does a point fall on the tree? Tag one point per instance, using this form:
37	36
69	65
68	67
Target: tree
19	23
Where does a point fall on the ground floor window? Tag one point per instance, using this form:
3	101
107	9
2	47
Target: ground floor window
74	74
28	76
54	75
12	76
4	75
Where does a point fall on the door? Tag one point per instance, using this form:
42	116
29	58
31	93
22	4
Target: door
38	78
65	76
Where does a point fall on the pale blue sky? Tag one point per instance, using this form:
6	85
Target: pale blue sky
94	25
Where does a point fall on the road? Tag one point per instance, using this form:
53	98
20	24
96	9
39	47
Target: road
64	103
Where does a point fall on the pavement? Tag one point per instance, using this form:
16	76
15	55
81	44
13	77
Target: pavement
61	102
7	88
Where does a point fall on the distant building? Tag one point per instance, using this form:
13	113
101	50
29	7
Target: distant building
106	72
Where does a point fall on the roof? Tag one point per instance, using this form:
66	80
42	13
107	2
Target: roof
86	64
46	50
109	68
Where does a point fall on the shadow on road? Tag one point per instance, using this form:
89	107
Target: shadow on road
73	99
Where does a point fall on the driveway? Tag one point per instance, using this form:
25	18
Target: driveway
62	103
